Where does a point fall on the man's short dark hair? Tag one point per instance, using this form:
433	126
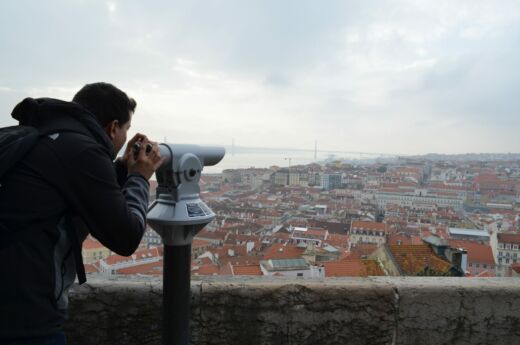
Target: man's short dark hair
106	102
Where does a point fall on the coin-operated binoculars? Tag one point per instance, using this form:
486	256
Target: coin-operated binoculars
178	214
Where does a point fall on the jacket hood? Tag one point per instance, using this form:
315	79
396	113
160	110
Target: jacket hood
49	114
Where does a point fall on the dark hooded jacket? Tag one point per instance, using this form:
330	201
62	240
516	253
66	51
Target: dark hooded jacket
69	174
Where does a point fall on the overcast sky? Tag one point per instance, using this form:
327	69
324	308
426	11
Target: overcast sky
406	77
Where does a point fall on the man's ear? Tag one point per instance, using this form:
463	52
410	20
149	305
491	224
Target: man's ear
110	128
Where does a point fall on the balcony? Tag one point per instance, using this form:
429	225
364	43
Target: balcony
382	310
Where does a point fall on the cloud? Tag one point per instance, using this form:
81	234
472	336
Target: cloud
112	6
380	76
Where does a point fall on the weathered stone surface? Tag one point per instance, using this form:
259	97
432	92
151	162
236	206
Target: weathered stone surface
283	313
457	311
115	312
383	310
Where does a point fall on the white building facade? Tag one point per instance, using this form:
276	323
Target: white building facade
409	200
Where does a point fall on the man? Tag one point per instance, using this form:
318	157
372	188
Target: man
66	184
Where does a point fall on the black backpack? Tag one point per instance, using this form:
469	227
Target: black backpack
15	143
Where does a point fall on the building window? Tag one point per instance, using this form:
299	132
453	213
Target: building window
484	265
477	265
299	274
470	265
500	246
508	246
500	254
507	261
515	246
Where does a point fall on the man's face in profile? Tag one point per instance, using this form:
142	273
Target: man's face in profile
120	133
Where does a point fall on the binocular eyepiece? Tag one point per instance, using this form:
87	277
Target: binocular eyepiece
137	147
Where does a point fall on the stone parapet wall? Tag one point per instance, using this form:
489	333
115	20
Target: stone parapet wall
382	310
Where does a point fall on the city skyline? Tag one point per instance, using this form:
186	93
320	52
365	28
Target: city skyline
398	77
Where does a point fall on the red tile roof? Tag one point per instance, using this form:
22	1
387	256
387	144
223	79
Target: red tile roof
352	268
146	253
90	268
361	250
310	234
481	178
448	187
246	270
91	243
345	256
152	268
241	260
317	232
413	259
366	225
336	240
206	270
212	235
115	259
280	251
439	232
200	243
235	239
404	239
201	261
224	251
477	253
407	170
485	274
138	255
281	235
332	227
225	269
508	238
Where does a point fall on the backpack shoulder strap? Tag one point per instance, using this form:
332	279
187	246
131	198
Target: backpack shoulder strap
72	228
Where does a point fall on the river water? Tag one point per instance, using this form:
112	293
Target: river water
243	160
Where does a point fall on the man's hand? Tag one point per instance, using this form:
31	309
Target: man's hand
142	162
129	148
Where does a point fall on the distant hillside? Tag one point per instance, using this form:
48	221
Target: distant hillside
465	157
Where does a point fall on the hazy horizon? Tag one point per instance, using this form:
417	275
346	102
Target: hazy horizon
394	77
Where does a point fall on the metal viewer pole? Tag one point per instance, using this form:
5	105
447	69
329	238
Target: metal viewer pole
176	295
178	214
